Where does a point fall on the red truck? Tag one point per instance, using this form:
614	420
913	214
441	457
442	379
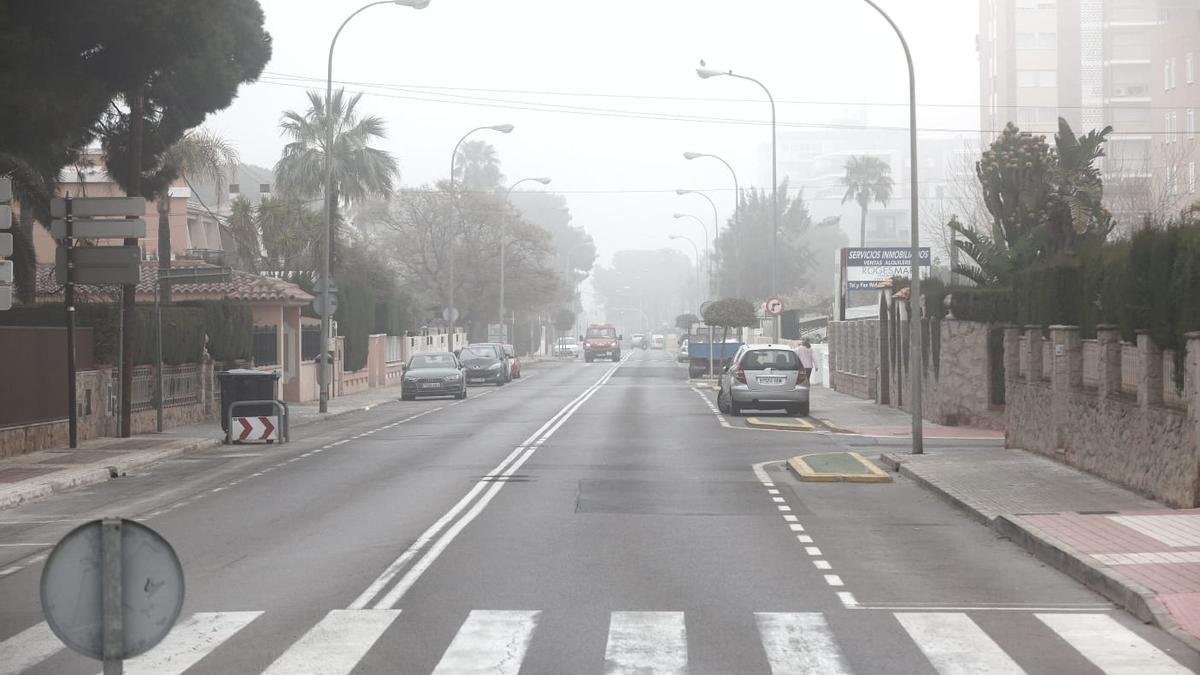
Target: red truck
601	342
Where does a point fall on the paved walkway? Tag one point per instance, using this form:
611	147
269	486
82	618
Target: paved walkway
868	418
38	474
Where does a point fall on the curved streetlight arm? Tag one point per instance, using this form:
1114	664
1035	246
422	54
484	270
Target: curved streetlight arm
454	155
737	203
918	440
503	243
696	250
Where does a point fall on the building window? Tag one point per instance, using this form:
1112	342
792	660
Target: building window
1167	75
1167	127
1172	62
1190	60
1191	177
1191	124
1172	187
1037	78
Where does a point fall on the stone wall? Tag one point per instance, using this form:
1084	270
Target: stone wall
1137	441
956	387
854	357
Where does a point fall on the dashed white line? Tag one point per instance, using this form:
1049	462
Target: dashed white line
783	507
790	518
833	580
804	539
822	565
812	550
796	527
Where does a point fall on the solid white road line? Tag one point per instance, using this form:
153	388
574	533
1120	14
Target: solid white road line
189	641
955	645
489	642
522	453
646	642
1114	649
27	648
800	643
335	644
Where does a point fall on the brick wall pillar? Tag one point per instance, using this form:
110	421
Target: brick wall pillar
1191	383
1066	373
1033	361
1150	382
1109	338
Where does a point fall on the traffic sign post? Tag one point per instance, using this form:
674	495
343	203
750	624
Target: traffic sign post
86	603
774	308
6	244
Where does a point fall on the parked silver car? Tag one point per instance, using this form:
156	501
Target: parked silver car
764	377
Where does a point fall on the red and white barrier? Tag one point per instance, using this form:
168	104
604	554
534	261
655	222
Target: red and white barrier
255	428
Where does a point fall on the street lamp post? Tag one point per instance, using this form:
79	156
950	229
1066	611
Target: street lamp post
503	243
706	73
737	202
677	216
914	299
712	247
696	250
325	370
452	313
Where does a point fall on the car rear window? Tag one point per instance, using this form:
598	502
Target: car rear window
777	359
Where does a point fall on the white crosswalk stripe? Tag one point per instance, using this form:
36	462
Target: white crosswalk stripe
955	645
335	644
1114	649
646	642
800	643
28	648
489	642
497	642
189	641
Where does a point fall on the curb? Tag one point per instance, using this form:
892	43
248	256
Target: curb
62	481
806	473
65	480
780	423
1126	593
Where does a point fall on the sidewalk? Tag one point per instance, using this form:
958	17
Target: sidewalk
1136	552
39	474
848	414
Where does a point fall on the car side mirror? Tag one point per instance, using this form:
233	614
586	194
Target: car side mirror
581	338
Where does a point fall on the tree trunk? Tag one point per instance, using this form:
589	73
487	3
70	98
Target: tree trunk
164	246
862	228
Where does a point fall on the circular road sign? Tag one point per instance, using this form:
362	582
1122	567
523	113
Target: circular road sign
450	314
151	589
774	306
319	302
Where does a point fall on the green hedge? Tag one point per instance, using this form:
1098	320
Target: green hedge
184	326
986	305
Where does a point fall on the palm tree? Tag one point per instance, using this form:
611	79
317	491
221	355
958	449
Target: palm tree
867	179
199	154
477	166
359	170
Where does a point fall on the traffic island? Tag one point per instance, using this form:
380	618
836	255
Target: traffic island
830	467
781	423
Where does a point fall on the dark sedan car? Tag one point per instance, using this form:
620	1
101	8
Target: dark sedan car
485	362
433	374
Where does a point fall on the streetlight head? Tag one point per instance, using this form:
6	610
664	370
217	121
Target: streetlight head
543	180
415	4
679	215
502	128
682	192
706	73
691	155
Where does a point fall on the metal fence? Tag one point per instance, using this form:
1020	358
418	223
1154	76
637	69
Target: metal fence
181	386
310	343
266	346
395	348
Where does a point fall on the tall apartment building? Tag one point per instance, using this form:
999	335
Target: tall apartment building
1093	63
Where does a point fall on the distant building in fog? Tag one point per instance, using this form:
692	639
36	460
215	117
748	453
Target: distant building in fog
1126	63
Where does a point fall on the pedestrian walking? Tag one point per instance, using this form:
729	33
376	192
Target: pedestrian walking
805	353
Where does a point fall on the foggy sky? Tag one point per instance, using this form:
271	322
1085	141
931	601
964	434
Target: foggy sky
618	174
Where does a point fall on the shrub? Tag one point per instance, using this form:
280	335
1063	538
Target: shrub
986	305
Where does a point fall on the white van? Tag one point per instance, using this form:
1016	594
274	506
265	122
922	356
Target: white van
658	341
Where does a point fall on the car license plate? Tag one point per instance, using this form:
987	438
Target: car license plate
770	380
475	379
430	385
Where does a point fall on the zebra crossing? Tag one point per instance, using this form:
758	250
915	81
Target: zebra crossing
496	641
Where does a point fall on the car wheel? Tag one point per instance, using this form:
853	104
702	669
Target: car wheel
735	408
616	357
587	359
801	410
407	397
722	402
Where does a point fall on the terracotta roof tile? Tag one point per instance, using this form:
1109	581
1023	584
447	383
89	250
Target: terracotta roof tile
242	286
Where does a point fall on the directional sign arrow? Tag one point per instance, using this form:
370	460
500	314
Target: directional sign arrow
247	427
268	428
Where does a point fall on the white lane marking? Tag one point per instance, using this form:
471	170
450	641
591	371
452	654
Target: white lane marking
804	539
30	646
956	645
28	543
646	642
800	643
189	641
399	563
778	500
847	599
781	507
335	644
760	471
795	527
772	491
489	642
812	550
1161	558
833	580
822	565
790	518
1113	648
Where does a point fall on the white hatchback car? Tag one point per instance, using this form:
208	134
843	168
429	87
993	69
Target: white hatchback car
764	377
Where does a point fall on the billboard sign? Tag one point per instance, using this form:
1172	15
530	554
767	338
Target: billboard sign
866	268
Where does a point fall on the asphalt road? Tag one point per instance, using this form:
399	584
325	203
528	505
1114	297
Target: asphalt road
590	518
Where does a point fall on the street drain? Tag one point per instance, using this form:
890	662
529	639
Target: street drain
515	478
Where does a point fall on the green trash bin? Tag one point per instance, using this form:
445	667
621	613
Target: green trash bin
244	384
